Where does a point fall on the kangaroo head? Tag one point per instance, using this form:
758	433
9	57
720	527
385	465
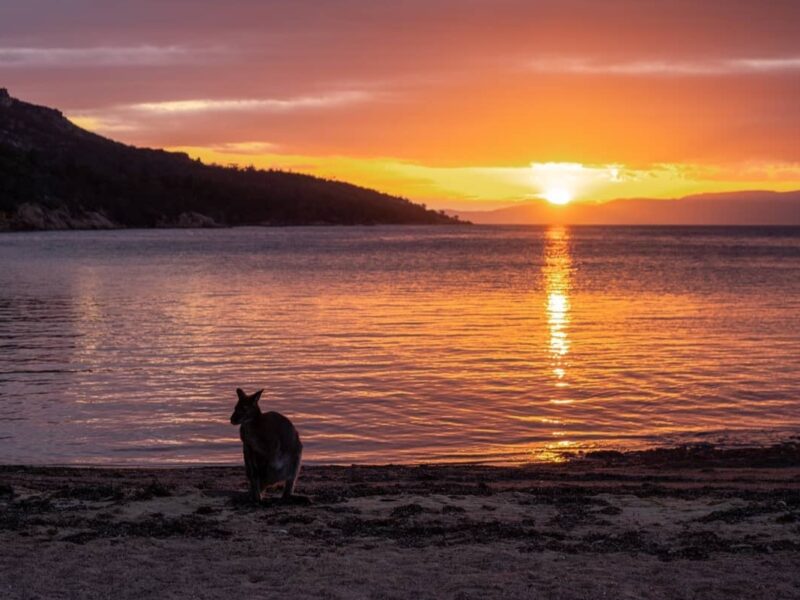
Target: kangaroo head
246	408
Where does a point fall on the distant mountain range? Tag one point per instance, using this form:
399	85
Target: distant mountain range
55	175
729	208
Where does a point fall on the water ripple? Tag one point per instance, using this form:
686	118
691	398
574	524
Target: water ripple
388	344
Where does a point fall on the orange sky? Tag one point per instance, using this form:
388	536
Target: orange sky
460	104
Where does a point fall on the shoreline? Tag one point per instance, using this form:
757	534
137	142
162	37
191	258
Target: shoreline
683	522
773	454
470	224
262	226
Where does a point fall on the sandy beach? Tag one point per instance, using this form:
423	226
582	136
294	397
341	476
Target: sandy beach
681	523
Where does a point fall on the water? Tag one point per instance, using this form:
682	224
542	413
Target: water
497	344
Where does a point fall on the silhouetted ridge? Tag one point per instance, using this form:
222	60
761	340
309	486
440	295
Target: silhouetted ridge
55	175
745	207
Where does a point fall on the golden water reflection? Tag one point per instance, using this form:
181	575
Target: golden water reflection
557	271
557	274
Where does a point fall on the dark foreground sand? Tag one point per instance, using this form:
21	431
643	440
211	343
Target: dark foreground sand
696	523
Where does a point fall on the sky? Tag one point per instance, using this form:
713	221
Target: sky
463	104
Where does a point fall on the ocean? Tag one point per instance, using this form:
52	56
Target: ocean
397	344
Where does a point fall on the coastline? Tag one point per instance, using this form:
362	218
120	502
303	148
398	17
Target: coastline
674	523
178	227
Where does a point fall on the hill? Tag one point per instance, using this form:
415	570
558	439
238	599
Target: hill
55	175
729	208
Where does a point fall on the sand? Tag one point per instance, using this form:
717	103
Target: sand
684	523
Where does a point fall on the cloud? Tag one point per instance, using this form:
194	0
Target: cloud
148	116
102	56
106	125
276	105
732	66
245	148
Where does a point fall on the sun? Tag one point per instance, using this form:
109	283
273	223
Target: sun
557	195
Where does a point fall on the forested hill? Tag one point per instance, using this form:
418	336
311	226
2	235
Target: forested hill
55	175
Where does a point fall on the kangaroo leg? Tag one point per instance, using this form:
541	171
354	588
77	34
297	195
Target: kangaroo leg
288	487
252	474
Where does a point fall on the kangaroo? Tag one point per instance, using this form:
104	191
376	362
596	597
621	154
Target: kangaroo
271	445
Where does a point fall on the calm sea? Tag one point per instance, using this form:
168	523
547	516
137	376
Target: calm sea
390	344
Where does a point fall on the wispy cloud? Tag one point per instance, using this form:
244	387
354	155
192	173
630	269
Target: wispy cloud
149	116
103	56
97	124
245	148
326	100
732	66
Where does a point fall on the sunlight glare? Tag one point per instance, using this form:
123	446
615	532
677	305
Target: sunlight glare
558	195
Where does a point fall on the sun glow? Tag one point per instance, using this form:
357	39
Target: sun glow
559	183
557	195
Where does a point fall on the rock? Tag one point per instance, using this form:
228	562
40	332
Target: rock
92	220
188	220
31	216
194	219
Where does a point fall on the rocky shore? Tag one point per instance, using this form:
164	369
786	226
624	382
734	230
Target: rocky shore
33	217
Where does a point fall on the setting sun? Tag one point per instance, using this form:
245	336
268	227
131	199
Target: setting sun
557	195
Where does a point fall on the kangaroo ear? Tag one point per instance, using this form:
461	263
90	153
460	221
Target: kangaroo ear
241	394
257	395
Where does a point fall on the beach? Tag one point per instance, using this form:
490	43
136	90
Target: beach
694	522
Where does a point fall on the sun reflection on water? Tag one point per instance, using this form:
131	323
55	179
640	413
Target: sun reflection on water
557	274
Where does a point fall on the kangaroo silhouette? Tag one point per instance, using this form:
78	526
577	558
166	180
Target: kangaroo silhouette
271	446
